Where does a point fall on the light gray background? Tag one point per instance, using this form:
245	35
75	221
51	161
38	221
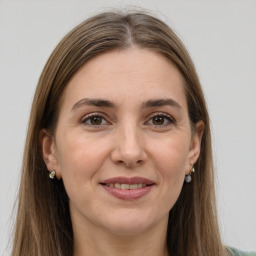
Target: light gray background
221	37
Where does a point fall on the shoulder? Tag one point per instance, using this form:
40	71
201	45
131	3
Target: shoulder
236	252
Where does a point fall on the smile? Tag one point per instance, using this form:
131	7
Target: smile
128	188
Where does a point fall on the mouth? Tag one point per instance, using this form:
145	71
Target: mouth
125	186
128	188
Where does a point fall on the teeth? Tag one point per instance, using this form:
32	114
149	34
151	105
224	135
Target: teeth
126	186
117	185
133	186
139	185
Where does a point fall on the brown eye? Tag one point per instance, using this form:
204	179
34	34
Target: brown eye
161	120
158	120
94	120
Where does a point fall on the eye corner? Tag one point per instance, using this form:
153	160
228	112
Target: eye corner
94	120
164	120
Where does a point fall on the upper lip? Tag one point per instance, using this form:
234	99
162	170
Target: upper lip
128	180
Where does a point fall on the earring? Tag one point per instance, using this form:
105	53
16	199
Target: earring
188	177
52	174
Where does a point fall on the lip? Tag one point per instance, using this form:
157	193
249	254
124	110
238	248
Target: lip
128	194
128	180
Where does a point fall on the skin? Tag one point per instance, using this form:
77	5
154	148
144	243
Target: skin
129	141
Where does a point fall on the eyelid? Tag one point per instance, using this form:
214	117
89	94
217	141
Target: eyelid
90	115
171	120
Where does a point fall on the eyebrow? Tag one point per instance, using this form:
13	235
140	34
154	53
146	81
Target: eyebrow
108	104
93	102
160	103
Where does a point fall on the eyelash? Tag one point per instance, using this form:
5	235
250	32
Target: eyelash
89	117
167	117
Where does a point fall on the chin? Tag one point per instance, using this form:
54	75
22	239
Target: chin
127	229
131	224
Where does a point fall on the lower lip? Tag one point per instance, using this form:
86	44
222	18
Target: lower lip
130	194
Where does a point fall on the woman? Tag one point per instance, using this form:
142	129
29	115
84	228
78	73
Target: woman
118	154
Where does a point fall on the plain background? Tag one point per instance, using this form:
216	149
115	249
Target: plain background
221	38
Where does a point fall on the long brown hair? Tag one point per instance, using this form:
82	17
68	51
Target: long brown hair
43	225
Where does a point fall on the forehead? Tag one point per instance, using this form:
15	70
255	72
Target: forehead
126	76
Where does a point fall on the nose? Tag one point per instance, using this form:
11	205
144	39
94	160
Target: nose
129	147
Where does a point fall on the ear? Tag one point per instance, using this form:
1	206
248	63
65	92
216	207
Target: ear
48	150
195	145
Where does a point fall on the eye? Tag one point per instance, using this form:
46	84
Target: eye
94	120
161	120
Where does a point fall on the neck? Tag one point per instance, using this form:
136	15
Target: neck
94	241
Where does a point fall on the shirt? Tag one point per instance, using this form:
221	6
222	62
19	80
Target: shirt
236	252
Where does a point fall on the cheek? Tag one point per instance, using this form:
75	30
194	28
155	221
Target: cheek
171	156
171	159
80	157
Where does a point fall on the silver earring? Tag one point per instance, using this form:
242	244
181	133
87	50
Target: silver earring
188	177
52	174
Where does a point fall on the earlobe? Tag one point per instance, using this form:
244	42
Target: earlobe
48	151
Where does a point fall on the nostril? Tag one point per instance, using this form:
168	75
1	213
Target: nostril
129	158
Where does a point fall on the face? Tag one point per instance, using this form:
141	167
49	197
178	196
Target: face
123	142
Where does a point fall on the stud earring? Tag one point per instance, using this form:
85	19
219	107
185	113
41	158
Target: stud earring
188	177
52	174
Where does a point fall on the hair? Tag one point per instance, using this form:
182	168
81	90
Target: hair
43	224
